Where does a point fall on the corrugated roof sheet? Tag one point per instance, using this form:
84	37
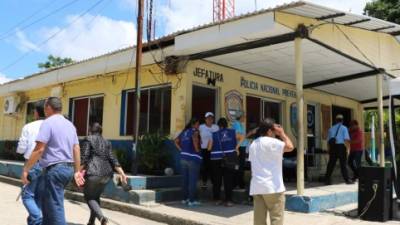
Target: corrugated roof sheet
323	13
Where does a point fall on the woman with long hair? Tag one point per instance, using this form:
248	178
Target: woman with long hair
99	164
188	143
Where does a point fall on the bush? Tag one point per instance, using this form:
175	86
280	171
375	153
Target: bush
153	155
8	151
124	160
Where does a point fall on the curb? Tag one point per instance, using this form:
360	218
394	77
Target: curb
135	210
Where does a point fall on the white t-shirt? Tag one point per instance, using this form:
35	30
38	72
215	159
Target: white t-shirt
266	155
27	141
206	134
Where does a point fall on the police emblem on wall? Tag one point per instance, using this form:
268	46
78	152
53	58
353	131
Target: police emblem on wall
233	105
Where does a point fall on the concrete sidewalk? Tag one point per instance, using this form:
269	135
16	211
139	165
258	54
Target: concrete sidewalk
77	213
209	214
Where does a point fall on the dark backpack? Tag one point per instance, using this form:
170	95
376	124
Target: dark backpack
332	141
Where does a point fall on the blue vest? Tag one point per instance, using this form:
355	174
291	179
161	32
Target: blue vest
186	142
224	142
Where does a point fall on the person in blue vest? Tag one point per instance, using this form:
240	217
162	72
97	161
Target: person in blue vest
223	161
188	143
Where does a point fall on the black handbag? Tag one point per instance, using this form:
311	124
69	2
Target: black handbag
230	161
332	141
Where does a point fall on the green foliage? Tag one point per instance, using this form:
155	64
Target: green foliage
123	159
153	156
374	113
8	151
53	61
384	9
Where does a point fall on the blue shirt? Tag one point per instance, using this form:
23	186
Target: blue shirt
240	129
186	142
59	135
342	133
224	142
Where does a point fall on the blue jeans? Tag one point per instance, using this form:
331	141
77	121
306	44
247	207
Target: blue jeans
55	179
190	174
31	198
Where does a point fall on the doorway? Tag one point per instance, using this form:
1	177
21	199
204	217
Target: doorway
346	112
204	100
258	109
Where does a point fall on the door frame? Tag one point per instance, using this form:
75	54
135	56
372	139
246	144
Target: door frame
217	99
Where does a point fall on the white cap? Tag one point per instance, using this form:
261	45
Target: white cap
339	116
208	114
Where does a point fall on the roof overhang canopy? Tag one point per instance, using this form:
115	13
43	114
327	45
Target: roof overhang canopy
326	14
260	45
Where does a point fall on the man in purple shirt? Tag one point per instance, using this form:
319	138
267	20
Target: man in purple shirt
57	148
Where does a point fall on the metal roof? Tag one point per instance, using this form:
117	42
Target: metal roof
326	14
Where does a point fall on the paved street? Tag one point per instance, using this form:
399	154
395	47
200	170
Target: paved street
13	213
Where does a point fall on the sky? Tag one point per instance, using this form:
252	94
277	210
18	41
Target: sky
80	29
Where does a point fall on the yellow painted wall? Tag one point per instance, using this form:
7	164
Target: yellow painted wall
232	79
378	49
111	86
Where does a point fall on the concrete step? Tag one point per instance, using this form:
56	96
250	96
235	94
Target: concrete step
152	182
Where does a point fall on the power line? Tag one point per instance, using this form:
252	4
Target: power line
52	36
91	21
28	18
8	34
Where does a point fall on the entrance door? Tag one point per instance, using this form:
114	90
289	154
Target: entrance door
253	112
203	100
346	112
272	109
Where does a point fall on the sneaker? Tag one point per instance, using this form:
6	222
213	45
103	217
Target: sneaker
229	204
349	182
218	202
194	203
184	202
104	221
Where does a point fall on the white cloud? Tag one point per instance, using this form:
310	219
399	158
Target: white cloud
4	79
89	36
24	44
183	14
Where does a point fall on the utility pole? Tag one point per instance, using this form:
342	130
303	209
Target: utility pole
138	71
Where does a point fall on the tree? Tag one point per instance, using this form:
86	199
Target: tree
384	9
53	61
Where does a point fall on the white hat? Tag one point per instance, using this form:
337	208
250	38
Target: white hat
339	116
208	114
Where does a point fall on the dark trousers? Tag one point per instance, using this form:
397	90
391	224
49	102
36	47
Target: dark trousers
55	180
368	158
190	175
94	186
239	174
337	152
220	173
205	166
355	162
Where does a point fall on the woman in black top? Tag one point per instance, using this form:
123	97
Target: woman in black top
99	165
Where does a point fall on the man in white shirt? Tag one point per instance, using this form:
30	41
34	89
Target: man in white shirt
26	144
206	131
267	188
